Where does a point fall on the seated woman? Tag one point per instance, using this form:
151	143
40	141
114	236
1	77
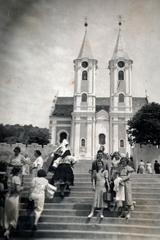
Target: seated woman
63	175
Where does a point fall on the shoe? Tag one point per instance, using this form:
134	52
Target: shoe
68	188
62	195
128	216
34	228
122	216
90	215
101	216
6	234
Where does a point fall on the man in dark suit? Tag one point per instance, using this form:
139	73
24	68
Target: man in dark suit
95	166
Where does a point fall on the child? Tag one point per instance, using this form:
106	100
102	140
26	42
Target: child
124	174
119	189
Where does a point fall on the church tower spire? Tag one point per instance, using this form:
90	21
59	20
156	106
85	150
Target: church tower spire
121	110
83	115
85	51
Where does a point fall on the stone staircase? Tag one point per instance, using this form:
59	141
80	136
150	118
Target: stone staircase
67	218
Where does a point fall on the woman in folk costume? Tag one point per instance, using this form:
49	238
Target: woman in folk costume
38	189
124	173
100	180
63	175
11	209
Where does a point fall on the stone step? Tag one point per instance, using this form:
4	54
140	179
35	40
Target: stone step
154	190
75	234
71	199
102	227
82	194
85	206
107	213
94	220
87	175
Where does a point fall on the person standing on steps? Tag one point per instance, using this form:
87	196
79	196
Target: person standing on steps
114	164
11	209
141	167
16	160
124	173
63	175
149	168
99	182
37	194
94	166
37	164
156	167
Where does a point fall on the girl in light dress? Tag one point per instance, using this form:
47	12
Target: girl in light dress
37	192
100	179
11	209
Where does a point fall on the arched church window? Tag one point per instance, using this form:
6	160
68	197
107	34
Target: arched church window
83	142
120	75
121	143
84	97
84	75
102	139
121	97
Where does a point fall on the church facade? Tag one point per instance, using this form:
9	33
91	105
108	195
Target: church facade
88	121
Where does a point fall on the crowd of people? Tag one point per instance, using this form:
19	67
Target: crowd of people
12	179
112	186
111	183
147	168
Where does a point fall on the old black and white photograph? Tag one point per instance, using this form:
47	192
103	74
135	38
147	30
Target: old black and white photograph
80	119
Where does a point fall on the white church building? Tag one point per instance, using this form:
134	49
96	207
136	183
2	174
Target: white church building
88	121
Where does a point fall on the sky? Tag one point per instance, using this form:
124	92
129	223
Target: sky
39	39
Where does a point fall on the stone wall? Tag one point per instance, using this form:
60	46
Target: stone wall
7	149
148	153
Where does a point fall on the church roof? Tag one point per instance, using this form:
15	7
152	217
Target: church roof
138	102
120	50
85	51
102	103
64	105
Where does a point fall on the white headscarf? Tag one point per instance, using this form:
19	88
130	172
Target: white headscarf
63	146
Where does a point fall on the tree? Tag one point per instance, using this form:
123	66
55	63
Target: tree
144	127
24	134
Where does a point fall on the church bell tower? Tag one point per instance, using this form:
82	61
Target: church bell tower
121	111
83	116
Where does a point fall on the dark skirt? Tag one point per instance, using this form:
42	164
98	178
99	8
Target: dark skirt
64	174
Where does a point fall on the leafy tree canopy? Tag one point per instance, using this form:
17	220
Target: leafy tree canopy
23	134
144	127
